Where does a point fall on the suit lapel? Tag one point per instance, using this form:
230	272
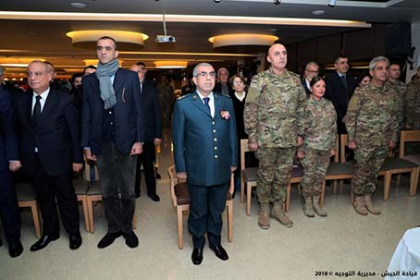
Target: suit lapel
197	102
118	81
49	105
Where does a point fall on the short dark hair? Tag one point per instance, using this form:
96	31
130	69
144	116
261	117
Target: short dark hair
109	38
74	76
141	64
315	80
89	67
340	56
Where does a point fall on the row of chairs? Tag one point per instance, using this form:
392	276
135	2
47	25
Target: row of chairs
340	170
181	201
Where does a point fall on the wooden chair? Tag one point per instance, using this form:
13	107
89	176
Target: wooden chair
181	200
81	187
390	167
27	198
249	177
410	136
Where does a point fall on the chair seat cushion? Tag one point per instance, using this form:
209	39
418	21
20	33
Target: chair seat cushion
94	189
250	174
397	163
183	197
25	192
80	186
297	171
412	158
337	168
181	193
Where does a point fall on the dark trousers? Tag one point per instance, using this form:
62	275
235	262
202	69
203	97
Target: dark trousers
48	189
147	158
206	207
9	209
117	173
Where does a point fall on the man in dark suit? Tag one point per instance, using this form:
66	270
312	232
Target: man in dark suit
205	153
222	85
48	131
153	133
339	89
311	71
113	135
9	160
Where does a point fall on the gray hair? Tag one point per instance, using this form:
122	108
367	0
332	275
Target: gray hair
311	63
372	64
204	64
48	66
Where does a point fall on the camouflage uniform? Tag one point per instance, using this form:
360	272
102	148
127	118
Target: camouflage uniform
399	88
317	124
412	105
165	96
270	120
372	122
412	114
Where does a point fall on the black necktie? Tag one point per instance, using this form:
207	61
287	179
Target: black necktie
343	79
37	110
206	103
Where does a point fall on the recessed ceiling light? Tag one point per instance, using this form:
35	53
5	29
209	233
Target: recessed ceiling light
318	12
78	5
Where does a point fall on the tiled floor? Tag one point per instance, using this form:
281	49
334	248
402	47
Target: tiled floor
343	241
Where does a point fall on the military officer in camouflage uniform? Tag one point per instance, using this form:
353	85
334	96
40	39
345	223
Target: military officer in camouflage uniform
372	126
412	111
399	87
317	126
270	122
412	103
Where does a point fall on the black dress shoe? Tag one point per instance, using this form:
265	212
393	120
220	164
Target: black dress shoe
108	239
220	252
154	197
75	241
197	256
15	249
131	239
158	176
137	195
1	243
44	241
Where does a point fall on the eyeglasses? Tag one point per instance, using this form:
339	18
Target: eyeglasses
205	74
313	71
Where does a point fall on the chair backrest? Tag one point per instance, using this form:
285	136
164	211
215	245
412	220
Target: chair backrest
343	145
173	182
244	149
91	173
408	136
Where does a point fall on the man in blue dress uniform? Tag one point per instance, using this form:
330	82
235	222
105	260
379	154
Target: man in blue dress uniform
205	153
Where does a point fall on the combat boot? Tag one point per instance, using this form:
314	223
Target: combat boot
369	206
307	208
264	218
279	214
318	209
359	205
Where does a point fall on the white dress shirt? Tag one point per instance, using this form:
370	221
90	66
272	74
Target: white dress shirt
211	102
43	95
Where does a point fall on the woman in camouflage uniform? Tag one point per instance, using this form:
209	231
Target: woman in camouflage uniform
317	130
